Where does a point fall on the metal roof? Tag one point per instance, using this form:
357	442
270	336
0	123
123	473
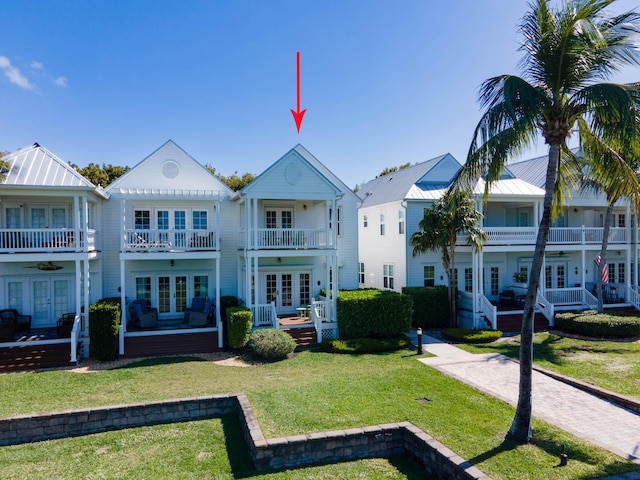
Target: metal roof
509	187
35	166
407	183
533	171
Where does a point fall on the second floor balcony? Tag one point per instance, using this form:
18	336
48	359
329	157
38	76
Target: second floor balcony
50	240
557	235
286	239
170	240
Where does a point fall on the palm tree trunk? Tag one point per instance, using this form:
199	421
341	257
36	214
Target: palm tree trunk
521	426
603	255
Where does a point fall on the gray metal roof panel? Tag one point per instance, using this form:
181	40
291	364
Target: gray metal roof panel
407	183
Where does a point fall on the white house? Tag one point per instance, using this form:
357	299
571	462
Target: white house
393	205
50	249
170	239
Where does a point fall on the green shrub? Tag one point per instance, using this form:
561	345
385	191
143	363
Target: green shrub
366	345
238	326
373	313
272	344
471	336
104	322
430	306
592	324
227	301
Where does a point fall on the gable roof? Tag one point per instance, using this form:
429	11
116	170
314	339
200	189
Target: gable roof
427	180
302	154
35	166
169	172
533	170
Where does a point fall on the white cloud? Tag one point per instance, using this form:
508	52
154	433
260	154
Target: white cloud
61	82
14	75
35	65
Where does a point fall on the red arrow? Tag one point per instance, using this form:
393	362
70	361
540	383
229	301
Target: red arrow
297	115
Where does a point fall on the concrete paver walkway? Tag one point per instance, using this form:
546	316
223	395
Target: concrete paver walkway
598	421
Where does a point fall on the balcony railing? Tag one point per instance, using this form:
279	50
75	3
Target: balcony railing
286	238
557	235
46	240
169	240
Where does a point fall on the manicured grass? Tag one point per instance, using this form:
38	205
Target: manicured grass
314	392
611	365
205	449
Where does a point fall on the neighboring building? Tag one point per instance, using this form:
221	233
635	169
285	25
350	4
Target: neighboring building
50	245
511	218
170	239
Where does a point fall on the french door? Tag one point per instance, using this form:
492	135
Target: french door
287	290
279	218
51	298
172	294
555	275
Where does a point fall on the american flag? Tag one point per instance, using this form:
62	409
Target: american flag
605	271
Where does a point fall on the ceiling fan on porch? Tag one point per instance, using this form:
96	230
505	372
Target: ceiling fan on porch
47	266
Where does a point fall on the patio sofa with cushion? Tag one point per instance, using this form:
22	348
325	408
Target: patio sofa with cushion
20	322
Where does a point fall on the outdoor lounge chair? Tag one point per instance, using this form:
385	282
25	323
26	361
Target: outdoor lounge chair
197	305
65	325
142	315
141	242
20	322
7	329
199	319
507	298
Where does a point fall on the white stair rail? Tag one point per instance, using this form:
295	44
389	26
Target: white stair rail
545	307
634	297
75	333
489	310
589	300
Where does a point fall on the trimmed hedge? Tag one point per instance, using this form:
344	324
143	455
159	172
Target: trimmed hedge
471	336
430	306
272	344
238	326
104	322
366	345
592	324
373	313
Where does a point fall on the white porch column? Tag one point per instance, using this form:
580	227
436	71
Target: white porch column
85	226
123	226
218	320
78	283
254	223
87	339
628	252
543	279
123	307
327	217
584	268
217	207
76	223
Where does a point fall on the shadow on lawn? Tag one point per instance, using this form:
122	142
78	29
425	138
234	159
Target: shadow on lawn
155	361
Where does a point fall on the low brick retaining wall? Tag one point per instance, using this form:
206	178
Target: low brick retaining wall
377	441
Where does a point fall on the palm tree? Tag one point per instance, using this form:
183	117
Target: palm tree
567	53
614	187
453	213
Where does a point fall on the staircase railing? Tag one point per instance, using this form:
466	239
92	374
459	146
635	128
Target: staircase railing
489	310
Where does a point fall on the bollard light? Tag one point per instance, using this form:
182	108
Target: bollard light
419	332
564	458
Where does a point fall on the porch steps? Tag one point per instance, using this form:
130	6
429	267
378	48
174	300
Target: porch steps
305	338
163	345
33	357
513	322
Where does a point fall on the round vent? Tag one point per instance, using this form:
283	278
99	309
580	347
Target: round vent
170	169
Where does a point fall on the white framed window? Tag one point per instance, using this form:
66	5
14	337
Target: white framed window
365	221
621	273
361	273
382	224
429	275
401	222
468	279
199	219
142	219
387	276
495	280
622	220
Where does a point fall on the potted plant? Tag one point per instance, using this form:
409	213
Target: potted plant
520	277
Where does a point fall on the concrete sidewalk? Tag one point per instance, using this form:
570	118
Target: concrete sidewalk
598	421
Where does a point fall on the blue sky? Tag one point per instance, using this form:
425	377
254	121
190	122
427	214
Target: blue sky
383	82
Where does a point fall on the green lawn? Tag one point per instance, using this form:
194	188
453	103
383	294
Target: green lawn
611	365
308	393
